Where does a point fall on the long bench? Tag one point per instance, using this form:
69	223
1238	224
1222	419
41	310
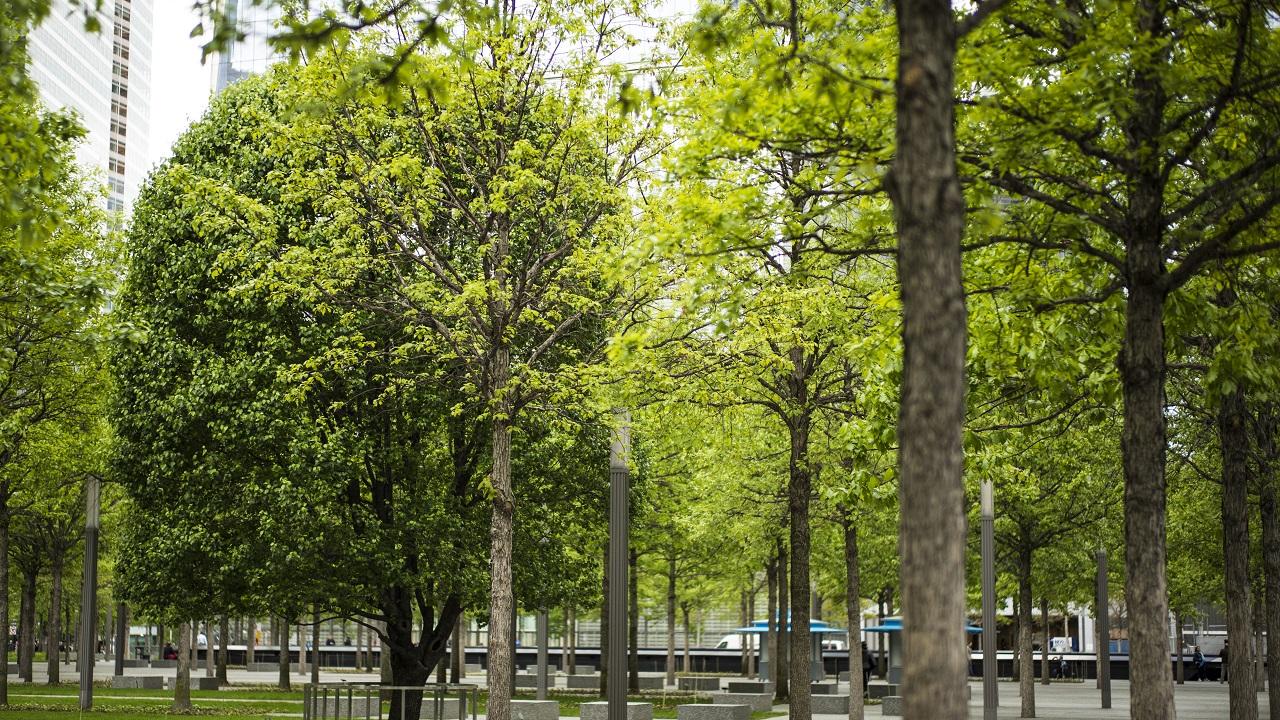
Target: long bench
582	682
758	702
137	682
535	710
703	711
198	682
822	689
758	687
699	684
600	711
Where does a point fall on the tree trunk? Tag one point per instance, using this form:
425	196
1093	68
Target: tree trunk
1233	438
280	630
1271	569
4	590
684	611
771	638
1181	672
501	601
751	640
604	624
633	622
853	616
315	647
459	655
251	643
671	619
571	616
743	621
182	680
27	627
55	621
798	491
929	212
369	637
1026	661
224	632
1044	641
782	671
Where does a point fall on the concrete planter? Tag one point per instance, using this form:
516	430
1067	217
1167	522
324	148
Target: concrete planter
830	704
750	686
822	689
600	711
756	701
891	705
535	710
699	684
702	711
582	682
138	682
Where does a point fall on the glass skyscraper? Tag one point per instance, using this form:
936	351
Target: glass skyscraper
105	78
252	54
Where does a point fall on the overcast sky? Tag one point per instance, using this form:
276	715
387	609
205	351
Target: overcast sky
180	85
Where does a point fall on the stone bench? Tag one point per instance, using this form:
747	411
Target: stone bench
529	681
829	704
582	682
752	687
584	670
137	682
264	667
891	705
843	676
758	702
164	663
535	710
703	711
822	689
651	682
600	711
134	663
198	682
704	684
879	690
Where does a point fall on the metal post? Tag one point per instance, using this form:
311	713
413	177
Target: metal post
619	482
542	654
1103	612
990	698
89	595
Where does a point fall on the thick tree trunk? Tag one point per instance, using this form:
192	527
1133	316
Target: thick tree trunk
1271	569
633	622
280	631
853	616
409	662
1044	641
224	628
55	621
502	523
1233	436
929	211
782	672
182	680
27	627
671	619
798	491
1026	661
771	638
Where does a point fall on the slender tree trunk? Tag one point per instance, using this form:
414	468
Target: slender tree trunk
251	644
751	639
1044	641
743	621
1181	672
633	622
771	638
27	626
1233	437
182	680
782	674
501	601
302	649
459	655
369	637
798	491
671	619
684	611
281	632
315	647
55	621
929	210
853	616
359	645
1271	568
572	616
4	590
604	625
1026	661
224	627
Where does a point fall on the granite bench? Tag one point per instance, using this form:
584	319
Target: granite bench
703	711
758	702
829	704
705	684
600	711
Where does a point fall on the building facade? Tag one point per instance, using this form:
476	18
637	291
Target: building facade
104	77
252	53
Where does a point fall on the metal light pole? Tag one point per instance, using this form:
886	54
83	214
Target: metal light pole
619	486
990	699
89	595
542	653
1104	631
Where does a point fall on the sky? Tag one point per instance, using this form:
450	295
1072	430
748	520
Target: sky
180	84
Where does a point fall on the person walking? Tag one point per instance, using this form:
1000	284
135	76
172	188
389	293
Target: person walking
1197	662
1222	658
868	663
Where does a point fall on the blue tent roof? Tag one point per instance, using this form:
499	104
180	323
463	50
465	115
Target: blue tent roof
894	624
816	627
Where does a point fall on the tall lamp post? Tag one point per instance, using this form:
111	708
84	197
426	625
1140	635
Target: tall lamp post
619	482
990	700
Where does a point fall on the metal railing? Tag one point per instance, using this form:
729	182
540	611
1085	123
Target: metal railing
363	701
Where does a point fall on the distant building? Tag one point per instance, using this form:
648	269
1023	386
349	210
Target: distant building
105	77
252	54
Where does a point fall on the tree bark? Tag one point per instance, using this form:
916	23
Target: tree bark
1233	436
1271	569
27	626
1026	661
459	654
182	680
280	630
751	639
633	623
571	616
743	621
315	647
684	611
771	638
798	491
929	211
853	616
4	590
782	672
502	523
251	643
224	628
671	619
55	621
1181	672
604	625
1044	641
302	648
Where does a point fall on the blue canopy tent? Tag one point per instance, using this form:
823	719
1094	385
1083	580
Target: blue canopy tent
818	630
893	627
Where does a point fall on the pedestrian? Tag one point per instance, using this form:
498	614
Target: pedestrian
1222	658
868	663
1197	662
